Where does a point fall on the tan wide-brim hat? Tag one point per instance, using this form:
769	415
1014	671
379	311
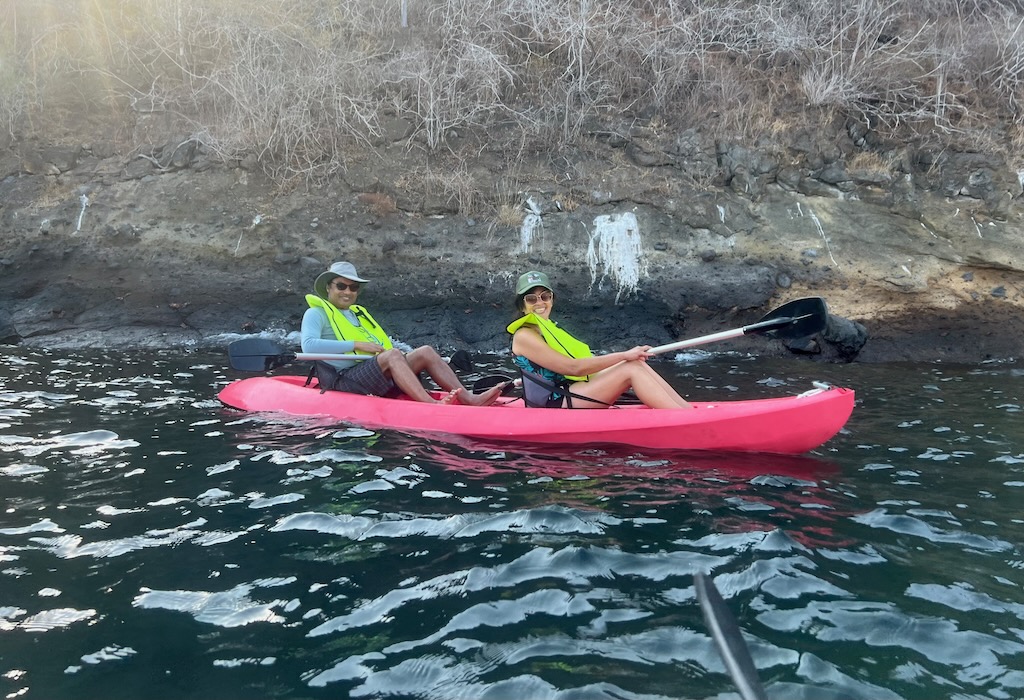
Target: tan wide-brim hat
338	269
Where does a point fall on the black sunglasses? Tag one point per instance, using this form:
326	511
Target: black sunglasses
341	287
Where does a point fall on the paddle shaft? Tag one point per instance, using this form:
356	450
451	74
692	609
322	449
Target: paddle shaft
726	633
726	335
692	342
265	355
326	356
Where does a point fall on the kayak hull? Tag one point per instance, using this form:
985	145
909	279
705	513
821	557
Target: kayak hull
787	425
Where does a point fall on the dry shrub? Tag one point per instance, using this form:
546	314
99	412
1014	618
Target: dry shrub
869	162
510	215
451	180
302	85
52	195
1016	158
456	185
568	201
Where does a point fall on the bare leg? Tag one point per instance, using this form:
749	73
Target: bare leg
484	399
393	363
609	384
666	387
426	359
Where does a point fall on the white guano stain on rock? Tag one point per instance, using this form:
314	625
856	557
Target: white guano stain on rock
616	248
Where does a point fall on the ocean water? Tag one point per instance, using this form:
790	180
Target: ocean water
154	543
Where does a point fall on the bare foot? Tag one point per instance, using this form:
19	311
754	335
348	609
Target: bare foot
485	399
450	398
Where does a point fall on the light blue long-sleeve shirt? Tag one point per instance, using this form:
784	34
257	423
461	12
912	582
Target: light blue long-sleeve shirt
318	336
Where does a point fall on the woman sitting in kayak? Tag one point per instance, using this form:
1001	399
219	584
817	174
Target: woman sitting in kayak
335	324
560	371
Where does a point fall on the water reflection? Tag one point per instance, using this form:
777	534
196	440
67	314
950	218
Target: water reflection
742	491
161	545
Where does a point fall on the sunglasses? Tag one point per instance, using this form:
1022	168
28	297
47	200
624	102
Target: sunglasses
543	296
342	287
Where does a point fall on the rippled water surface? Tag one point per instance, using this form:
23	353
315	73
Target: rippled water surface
155	544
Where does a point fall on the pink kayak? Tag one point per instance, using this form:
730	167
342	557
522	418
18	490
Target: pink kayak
788	425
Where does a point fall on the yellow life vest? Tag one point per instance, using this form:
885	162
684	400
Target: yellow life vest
369	331
558	339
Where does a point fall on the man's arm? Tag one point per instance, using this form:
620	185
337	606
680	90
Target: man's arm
318	336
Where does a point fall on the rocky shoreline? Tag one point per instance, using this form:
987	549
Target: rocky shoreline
155	253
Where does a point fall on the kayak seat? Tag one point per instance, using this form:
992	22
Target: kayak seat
326	376
538	391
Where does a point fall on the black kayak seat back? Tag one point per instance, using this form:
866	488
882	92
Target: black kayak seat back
538	390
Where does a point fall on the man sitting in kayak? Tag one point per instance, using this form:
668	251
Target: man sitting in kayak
334	324
560	371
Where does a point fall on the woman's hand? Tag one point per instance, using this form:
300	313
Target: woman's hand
363	346
639	353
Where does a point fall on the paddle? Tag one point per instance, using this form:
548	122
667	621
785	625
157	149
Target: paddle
264	355
795	319
462	361
728	639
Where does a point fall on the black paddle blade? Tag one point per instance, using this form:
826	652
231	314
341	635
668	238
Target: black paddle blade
799	318
258	355
726	634
461	361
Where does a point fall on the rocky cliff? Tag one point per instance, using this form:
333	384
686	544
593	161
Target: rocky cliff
649	237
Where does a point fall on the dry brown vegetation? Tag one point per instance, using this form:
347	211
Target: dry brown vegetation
305	85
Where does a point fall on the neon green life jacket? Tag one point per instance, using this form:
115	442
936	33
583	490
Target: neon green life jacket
558	339
345	329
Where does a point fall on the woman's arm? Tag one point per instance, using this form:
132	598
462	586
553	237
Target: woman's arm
530	344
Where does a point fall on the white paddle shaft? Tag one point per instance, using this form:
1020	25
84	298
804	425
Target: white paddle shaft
713	338
725	335
328	356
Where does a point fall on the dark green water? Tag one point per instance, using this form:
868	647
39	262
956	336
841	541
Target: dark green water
154	544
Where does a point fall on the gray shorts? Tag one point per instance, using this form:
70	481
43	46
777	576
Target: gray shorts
366	378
